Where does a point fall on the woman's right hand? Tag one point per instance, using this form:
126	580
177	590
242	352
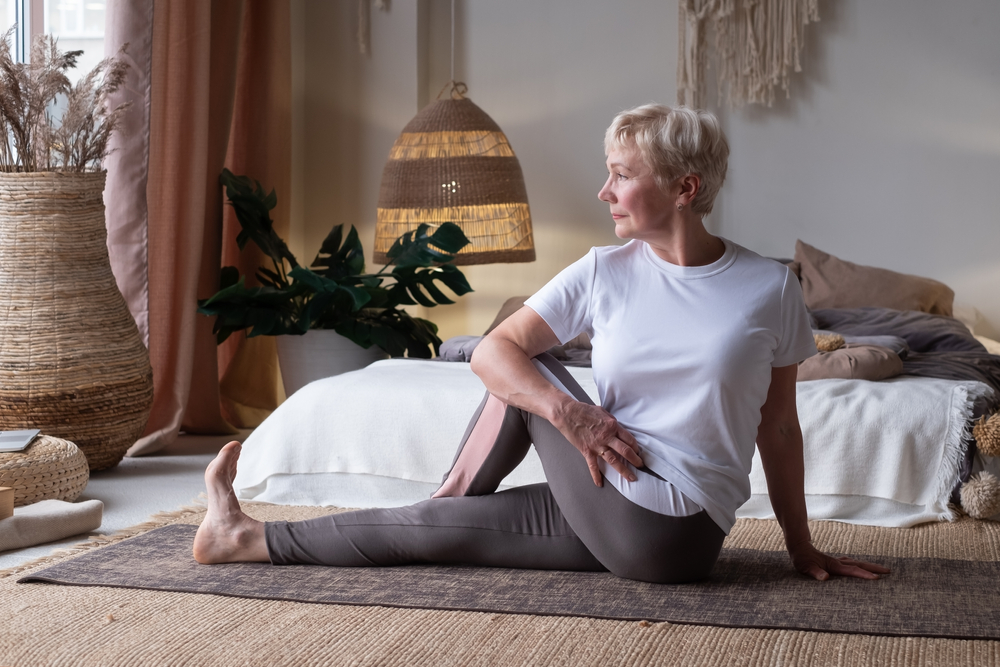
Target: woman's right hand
503	362
598	435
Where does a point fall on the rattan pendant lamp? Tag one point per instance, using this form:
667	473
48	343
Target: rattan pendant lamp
452	163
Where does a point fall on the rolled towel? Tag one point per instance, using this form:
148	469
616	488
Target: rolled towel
48	521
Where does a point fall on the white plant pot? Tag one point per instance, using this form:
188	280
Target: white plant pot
318	354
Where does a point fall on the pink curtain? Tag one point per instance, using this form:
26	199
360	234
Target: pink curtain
260	145
198	105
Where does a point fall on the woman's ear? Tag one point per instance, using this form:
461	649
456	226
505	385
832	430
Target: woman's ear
690	185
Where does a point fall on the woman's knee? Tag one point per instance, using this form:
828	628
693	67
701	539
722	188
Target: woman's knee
664	550
660	568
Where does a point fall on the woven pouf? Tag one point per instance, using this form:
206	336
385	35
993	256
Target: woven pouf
48	468
72	363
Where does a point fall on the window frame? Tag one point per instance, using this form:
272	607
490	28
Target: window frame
30	18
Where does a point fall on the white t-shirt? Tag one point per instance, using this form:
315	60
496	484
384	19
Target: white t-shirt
682	358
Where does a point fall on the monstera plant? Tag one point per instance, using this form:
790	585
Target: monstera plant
335	292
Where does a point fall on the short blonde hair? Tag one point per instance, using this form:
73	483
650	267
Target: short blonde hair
673	142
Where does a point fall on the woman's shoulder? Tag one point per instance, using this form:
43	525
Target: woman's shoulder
755	264
616	250
611	254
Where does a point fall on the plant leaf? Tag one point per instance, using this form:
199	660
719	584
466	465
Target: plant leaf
319	283
252	209
340	257
411	283
229	276
418	248
264	310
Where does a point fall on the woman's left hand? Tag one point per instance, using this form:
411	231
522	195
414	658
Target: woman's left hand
812	562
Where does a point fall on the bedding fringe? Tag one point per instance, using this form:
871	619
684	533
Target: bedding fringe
957	439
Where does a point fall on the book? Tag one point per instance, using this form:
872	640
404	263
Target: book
15	441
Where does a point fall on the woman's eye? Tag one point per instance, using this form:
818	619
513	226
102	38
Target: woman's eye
621	177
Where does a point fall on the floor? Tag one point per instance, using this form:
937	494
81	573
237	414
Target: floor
139	487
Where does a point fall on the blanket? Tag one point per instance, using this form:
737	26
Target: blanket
878	453
939	346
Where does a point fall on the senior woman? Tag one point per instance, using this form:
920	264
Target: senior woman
695	346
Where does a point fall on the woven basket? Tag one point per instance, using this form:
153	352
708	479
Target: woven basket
452	163
48	468
72	363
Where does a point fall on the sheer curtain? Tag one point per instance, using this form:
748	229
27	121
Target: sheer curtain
210	87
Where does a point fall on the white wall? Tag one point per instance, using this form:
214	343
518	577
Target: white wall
888	152
350	108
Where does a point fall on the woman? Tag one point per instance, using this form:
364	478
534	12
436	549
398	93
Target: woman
695	346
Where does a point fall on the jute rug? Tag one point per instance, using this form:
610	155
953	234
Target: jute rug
930	597
75	625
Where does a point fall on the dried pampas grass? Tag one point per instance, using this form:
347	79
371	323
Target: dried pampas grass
981	495
34	141
828	342
987	435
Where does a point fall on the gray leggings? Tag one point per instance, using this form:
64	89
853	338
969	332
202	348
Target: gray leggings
567	523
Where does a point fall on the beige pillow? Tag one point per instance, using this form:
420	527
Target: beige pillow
513	304
852	362
830	282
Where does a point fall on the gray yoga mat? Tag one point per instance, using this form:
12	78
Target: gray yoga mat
930	597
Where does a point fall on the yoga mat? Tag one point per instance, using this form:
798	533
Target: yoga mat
749	588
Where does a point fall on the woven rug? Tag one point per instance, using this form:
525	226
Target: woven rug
931	597
82	625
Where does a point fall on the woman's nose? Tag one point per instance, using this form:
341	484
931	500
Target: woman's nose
605	193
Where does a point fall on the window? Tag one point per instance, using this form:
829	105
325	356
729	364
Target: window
77	24
8	16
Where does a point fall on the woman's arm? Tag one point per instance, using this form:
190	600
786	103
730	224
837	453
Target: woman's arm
503	362
779	440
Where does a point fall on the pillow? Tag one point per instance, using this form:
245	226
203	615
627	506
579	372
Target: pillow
852	362
830	282
992	346
897	344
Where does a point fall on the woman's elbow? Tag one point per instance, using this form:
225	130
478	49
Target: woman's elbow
479	356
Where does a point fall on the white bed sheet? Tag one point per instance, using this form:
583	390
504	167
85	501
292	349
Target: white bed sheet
379	437
878	453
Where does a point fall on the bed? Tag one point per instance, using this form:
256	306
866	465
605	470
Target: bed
887	435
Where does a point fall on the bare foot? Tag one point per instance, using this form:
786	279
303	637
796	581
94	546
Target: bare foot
227	535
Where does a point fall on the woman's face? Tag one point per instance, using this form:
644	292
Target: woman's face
638	206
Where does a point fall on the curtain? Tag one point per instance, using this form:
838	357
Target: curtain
210	88
260	145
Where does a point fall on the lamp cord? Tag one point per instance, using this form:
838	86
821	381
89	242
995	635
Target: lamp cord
458	88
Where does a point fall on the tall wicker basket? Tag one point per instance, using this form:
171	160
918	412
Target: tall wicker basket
71	360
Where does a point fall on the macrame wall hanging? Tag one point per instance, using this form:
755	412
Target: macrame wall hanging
756	47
